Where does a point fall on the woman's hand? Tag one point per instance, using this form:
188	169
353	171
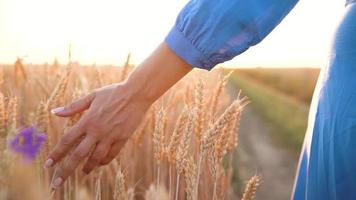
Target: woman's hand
113	113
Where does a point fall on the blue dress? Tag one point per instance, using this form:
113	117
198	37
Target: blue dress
208	32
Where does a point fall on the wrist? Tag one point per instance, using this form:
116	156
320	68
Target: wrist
135	92
156	75
141	85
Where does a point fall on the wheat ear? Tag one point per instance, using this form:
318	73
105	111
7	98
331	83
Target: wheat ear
199	103
120	192
184	143
158	141
251	187
177	134
212	134
183	150
158	136
42	118
190	175
217	92
57	97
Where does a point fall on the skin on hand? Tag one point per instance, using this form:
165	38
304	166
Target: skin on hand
113	113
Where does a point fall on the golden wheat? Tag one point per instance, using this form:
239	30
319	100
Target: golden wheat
169	155
176	136
2	120
251	187
199	107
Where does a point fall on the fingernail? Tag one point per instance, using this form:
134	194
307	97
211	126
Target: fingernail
48	163
57	110
57	182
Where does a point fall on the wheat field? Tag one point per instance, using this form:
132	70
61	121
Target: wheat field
183	149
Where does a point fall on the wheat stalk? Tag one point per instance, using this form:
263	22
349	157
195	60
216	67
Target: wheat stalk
188	97
184	144
217	92
172	147
181	134
176	136
190	175
20	73
156	193
2	119
183	150
98	189
126	68
158	140
57	97
42	117
211	135
222	142
199	107
140	131
12	115
158	136
3	135
234	128
251	187
120	192
1	76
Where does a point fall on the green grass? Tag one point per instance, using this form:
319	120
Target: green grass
285	115
296	82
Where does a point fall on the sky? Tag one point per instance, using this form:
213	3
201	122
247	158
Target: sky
105	31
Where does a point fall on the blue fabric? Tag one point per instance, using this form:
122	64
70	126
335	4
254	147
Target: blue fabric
327	168
350	1
208	32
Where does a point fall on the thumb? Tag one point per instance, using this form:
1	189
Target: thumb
75	107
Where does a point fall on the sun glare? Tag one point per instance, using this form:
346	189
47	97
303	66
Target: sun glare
103	32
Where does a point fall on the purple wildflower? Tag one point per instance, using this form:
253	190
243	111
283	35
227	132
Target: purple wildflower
27	143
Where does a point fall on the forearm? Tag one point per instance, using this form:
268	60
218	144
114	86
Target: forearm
160	71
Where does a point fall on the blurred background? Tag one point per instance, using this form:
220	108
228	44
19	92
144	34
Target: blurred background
278	75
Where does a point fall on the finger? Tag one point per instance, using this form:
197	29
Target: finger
99	153
75	107
69	166
65	144
114	151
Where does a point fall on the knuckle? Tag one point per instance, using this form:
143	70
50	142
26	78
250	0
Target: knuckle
79	126
96	134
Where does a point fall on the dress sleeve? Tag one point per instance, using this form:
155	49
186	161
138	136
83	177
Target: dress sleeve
209	32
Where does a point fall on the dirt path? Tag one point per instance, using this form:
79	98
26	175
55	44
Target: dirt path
258	153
